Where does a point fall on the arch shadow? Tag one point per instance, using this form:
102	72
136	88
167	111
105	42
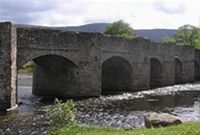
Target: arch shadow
23	57
196	71
178	70
156	73
55	76
116	75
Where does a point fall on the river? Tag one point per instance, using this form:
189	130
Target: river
125	110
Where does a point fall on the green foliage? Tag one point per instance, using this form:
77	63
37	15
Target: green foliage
62	114
187	35
183	129
27	68
168	40
198	40
121	29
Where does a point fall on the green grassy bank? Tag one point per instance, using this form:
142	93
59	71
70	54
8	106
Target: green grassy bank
183	129
27	68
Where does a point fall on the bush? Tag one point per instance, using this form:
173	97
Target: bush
187	35
121	29
62	114
27	68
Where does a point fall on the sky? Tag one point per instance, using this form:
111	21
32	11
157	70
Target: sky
140	14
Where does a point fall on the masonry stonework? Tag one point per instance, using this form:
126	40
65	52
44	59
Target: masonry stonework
8	59
72	64
197	65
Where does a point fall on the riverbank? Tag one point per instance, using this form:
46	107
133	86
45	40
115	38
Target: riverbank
183	129
124	111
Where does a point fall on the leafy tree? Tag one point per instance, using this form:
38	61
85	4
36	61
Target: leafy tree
198	40
168	40
187	35
121	29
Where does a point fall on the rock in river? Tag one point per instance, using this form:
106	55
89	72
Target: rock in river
161	120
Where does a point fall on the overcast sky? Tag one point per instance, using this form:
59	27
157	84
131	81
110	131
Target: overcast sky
140	14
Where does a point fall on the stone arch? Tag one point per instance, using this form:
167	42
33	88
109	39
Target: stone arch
24	57
196	71
178	70
116	75
55	76
156	73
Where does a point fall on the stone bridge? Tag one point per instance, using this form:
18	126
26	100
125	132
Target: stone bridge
70	64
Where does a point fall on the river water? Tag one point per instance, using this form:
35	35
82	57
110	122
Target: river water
125	110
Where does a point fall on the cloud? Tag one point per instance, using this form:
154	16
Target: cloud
23	11
83	12
138	13
170	7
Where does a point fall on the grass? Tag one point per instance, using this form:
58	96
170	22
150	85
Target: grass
27	68
183	129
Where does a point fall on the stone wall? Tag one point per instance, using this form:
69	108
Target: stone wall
186	55
197	65
165	55
133	52
71	64
78	48
7	66
89	51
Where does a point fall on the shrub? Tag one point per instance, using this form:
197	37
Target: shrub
27	68
62	114
121	29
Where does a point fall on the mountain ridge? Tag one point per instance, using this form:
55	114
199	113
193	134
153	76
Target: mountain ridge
156	34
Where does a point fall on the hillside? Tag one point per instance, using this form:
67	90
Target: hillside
153	34
94	27
156	34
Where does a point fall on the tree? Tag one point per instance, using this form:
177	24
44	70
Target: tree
198	40
168	40
187	35
121	29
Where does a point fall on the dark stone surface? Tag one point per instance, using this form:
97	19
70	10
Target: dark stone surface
7	66
197	65
87	52
178	70
55	76
116	76
156	74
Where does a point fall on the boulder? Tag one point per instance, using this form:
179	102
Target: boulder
161	120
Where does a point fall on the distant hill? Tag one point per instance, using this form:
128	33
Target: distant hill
156	34
94	27
153	34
